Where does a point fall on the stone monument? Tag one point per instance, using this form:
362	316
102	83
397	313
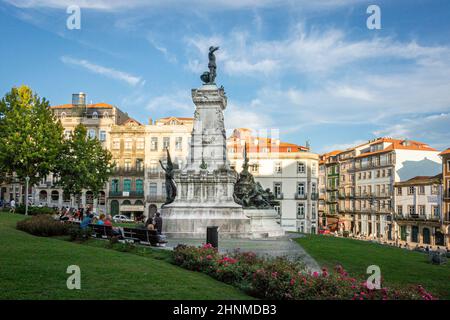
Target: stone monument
204	192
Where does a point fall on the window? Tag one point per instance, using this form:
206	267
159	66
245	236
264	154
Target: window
301	189
95	115
301	167
116	144
288	149
154	144
102	135
421	210
435	211
254	168
140	144
115	185
139	164
278	167
403	233
128	144
314	168
421	189
166	143
313	211
399	191
179	143
412	210
127	185
127	165
91	133
67	134
411	190
313	188
435	189
400	210
63	115
139	186
378	173
153	189
300	210
105	114
389	172
277	190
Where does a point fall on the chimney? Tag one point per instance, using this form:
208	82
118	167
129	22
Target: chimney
150	121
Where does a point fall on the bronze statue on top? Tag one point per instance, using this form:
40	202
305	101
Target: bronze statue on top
171	188
248	192
210	77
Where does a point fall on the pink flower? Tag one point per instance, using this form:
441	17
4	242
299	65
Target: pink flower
209	257
292	281
315	274
274	274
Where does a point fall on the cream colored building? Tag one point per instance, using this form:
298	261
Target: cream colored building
99	118
418	212
290	171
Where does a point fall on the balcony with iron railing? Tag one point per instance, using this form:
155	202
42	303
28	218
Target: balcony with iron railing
155	175
371	165
301	196
129	172
156	198
126	194
416	217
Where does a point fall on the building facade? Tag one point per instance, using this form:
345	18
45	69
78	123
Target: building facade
418	212
99	119
366	175
445	156
290	171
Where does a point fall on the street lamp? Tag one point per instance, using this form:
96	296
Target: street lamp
27	179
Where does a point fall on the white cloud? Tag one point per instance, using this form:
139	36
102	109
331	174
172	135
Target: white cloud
340	146
108	72
167	55
432	128
314	53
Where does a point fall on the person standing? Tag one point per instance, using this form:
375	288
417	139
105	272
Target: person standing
158	222
12	205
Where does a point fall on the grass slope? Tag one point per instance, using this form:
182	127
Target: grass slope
35	268
398	266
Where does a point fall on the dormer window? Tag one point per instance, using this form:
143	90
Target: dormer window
62	115
94	115
105	114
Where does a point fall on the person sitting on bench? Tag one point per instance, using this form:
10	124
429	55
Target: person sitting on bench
86	221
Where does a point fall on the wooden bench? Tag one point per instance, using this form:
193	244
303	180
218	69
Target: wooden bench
143	236
101	231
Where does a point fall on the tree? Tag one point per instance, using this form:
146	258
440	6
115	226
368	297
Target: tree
30	136
83	164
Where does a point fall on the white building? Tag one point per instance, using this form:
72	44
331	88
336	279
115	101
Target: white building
418	211
290	171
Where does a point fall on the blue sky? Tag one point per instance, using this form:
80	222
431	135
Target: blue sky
310	69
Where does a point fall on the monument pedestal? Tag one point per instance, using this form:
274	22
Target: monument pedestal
205	187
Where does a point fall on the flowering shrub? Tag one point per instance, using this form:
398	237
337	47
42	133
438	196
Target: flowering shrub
280	279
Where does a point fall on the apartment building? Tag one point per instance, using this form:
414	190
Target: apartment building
367	174
290	171
99	118
418	212
126	187
445	156
174	134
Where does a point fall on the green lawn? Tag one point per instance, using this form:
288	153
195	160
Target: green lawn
398	266
35	268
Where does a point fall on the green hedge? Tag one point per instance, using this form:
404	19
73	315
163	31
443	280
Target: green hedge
33	211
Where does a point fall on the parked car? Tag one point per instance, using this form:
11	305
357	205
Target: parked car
122	218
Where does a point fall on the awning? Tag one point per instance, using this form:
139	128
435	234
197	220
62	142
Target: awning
131	208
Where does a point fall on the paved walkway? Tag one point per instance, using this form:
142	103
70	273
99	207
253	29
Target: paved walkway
273	247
